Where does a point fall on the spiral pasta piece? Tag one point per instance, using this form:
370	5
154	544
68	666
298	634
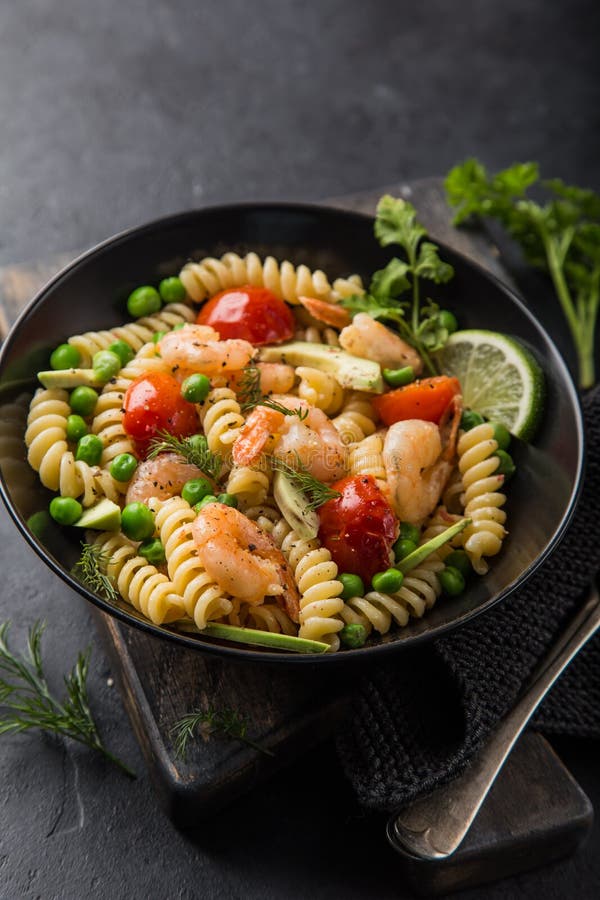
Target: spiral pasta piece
316	576
137	581
249	484
265	617
288	282
221	418
88	483
135	334
46	434
356	419
482	498
320	389
315	335
108	415
203	599
366	458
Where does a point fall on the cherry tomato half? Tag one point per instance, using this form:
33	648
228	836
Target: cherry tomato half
153	403
426	399
251	313
359	528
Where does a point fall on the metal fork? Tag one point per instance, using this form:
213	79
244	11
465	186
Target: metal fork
434	826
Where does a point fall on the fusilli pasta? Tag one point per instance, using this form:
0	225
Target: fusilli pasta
357	418
320	389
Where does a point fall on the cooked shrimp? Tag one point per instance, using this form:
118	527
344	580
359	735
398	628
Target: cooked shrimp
313	439
197	348
242	559
368	338
326	312
162	477
418	457
276	378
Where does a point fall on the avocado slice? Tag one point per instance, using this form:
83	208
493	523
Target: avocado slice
104	516
294	506
350	371
70	378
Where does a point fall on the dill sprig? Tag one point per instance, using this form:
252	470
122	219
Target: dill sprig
90	569
26	701
225	723
194	449
250	395
316	492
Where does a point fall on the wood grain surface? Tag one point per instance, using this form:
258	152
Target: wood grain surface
536	811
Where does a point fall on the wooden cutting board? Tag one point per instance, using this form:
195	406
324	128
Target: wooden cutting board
526	820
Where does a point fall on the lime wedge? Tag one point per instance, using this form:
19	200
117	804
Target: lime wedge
499	378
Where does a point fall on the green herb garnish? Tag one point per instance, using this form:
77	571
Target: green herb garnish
225	723
26	701
194	449
316	492
250	395
421	323
90	569
561	237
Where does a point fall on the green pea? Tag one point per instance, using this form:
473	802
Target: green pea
403	547
507	466
228	500
144	301
137	522
353	585
198	443
195	388
389	581
172	290
89	449
399	377
452	581
65	357
76	428
448	320
210	498
123	466
153	551
158	336
353	635
123	351
501	435
38	523
470	419
458	559
106	364
409	532
65	510
83	400
195	490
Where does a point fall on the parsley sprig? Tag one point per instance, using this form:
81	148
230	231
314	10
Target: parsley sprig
194	449
316	492
26	701
251	395
418	320
90	569
560	236
222	723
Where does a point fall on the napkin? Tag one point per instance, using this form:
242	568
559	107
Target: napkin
417	720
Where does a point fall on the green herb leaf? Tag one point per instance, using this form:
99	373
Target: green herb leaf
390	282
223	723
396	223
315	491
560	236
193	450
251	395
90	569
27	701
429	265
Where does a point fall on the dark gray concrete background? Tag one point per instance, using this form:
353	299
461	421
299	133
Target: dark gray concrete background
113	113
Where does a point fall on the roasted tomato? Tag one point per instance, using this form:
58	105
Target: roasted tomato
425	399
359	527
153	403
251	313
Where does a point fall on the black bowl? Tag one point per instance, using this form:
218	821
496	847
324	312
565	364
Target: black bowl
90	294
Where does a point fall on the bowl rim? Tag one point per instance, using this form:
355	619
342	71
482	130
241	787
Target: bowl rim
240	652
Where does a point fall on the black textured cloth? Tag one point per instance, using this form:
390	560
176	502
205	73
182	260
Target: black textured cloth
418	720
